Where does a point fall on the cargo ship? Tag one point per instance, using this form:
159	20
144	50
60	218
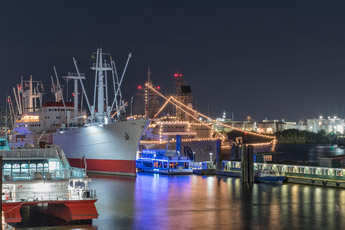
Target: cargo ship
99	138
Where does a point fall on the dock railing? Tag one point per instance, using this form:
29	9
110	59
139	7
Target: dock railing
292	170
30	196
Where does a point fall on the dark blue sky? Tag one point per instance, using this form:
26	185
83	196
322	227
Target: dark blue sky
274	59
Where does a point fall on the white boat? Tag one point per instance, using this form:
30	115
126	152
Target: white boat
268	176
42	179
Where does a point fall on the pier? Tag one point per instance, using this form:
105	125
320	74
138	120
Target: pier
311	175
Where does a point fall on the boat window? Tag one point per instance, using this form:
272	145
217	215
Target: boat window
24	168
2	143
165	164
16	167
157	164
173	165
183	165
147	164
39	167
33	167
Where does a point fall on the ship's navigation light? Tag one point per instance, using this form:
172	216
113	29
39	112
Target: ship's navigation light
158	87
180	75
73	94
8	100
140	87
176	75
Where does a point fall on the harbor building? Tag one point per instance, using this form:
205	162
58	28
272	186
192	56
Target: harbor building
329	124
273	126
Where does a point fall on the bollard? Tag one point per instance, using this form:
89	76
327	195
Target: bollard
247	164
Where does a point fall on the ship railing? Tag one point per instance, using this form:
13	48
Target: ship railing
29	153
195	164
312	172
44	175
31	196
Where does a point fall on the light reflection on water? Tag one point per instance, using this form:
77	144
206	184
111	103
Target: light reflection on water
201	202
306	152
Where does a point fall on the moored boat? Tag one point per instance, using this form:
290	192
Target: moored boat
268	176
42	179
164	162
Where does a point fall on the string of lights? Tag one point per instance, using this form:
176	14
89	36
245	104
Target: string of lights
209	118
178	104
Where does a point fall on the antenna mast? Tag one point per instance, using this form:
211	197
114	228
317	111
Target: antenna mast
75	77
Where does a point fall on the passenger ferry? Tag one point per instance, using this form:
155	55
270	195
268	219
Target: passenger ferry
164	162
43	180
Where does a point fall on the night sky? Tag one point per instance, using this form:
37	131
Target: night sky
274	59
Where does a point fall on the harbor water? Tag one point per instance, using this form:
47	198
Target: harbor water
153	201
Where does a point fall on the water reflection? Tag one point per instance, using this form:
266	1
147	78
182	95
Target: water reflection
196	202
307	152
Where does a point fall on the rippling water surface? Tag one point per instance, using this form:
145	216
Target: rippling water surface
153	201
196	202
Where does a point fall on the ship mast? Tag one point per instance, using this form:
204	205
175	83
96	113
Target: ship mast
29	95
101	114
75	77
100	110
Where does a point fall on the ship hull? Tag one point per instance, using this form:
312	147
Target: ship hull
109	148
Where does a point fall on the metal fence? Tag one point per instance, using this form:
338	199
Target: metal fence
44	175
75	194
293	170
30	153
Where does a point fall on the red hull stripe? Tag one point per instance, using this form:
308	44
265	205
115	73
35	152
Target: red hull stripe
110	166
